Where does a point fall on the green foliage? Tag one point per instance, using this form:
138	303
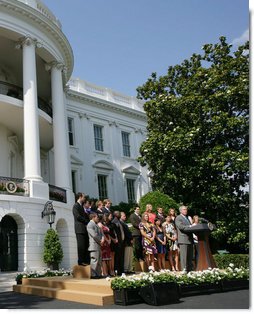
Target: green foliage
238	260
42	273
53	252
210	275
157	199
124	207
197	144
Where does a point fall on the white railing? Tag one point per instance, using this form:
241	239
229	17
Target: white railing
91	89
39	6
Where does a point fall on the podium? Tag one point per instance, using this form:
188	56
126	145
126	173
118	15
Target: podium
205	257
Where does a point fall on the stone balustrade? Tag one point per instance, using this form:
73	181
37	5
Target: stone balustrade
107	94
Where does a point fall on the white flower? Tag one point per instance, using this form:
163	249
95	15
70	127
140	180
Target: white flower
231	265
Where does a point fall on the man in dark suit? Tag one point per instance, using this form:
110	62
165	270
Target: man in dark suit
106	206
119	251
135	220
185	239
128	242
81	219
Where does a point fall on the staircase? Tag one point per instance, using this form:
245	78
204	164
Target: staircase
89	291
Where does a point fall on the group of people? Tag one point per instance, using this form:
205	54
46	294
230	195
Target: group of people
159	236
104	240
107	243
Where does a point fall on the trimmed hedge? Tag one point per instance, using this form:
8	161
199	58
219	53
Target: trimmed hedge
223	260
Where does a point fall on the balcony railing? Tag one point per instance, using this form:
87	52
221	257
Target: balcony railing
15	91
20	187
14	186
57	194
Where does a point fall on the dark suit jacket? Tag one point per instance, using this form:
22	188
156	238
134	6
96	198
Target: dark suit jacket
117	223
81	219
135	221
127	234
106	210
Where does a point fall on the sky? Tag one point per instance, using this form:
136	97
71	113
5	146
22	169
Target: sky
118	43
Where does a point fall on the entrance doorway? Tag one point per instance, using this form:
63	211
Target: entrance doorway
8	244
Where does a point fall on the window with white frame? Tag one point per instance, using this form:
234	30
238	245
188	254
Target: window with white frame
102	186
73	179
130	183
98	137
71	131
126	144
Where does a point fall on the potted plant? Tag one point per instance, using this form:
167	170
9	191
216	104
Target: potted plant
153	288
200	282
53	252
234	278
126	289
162	289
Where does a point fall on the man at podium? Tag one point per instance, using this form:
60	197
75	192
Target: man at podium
185	239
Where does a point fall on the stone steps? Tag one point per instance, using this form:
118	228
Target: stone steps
89	291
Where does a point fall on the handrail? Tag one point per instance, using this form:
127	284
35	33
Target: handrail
15	91
57	194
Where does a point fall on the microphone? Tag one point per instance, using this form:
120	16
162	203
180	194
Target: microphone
203	220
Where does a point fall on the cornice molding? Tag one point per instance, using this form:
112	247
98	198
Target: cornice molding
45	25
106	104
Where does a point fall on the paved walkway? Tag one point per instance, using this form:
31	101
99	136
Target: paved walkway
7	280
227	300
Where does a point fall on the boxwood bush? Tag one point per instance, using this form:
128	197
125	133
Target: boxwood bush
223	260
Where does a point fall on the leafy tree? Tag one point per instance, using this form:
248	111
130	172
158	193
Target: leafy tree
198	134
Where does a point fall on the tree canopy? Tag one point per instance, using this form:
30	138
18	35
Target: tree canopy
197	145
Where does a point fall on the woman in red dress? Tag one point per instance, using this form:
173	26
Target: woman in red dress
105	248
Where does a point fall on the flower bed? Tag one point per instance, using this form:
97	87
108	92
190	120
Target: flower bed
43	273
195	282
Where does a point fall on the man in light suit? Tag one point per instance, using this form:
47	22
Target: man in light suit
96	239
185	239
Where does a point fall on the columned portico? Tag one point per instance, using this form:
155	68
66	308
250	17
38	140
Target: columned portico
32	164
31	125
61	145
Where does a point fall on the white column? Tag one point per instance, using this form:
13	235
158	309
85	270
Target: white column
31	124
61	145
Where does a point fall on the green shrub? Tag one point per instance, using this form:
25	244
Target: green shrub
223	260
123	207
53	252
158	199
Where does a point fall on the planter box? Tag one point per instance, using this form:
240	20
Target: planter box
230	285
203	288
160	293
127	296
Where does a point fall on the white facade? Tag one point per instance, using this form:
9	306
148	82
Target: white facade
56	130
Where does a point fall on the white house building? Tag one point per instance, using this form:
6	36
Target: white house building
58	135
